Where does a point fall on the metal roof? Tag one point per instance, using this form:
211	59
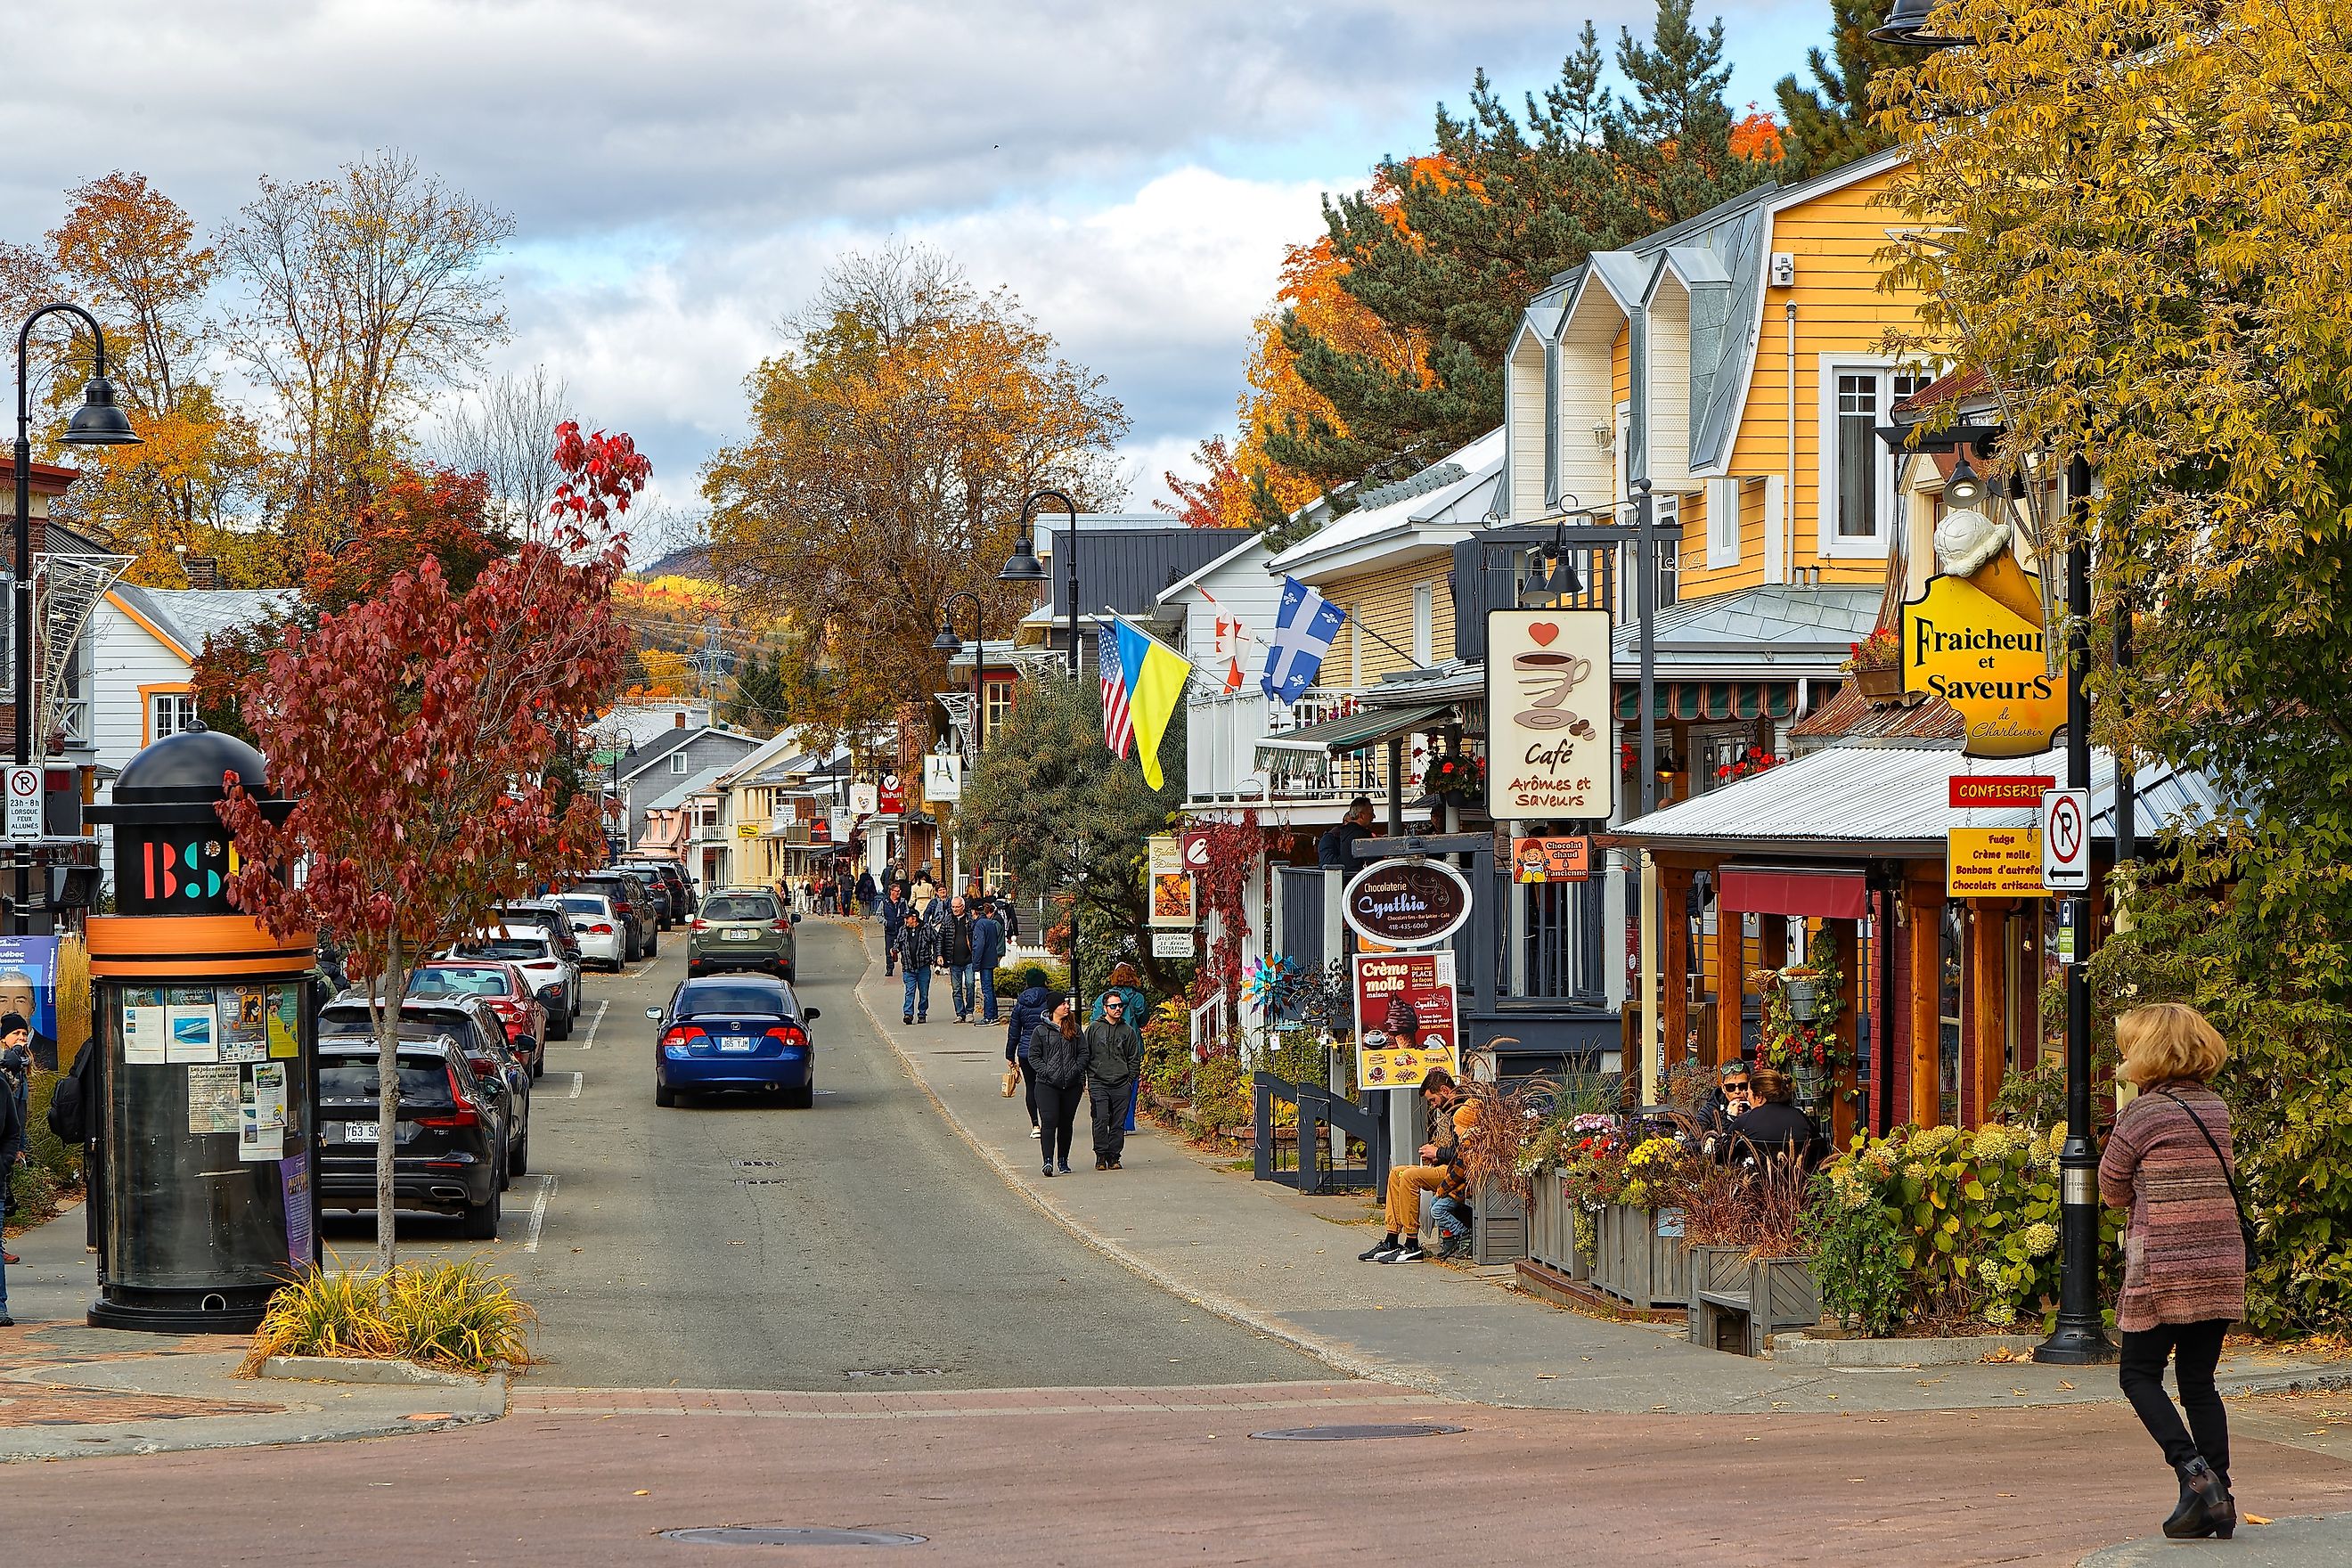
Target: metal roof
1878	799
1130	567
1355	731
687	788
1776	629
191	615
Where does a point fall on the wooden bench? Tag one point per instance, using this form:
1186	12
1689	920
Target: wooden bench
1792	1302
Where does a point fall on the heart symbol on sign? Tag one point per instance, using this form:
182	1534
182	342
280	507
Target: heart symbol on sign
1543	632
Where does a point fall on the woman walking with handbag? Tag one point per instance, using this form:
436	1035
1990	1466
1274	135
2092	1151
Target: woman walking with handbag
2185	1250
1058	1055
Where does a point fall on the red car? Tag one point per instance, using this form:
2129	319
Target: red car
502	987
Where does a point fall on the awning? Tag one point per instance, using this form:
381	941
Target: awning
1826	895
1355	731
1696	700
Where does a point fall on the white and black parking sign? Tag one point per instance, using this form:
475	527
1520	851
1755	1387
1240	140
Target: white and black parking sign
2066	840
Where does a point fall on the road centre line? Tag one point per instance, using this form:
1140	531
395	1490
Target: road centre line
539	1210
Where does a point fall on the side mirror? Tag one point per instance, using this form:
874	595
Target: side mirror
797	920
551	992
812	1014
655	1013
525	1044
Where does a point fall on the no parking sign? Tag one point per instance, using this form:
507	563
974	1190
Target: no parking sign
2066	840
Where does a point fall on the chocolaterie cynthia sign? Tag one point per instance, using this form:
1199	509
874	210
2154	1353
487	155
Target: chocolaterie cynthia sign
1547	684
1406	903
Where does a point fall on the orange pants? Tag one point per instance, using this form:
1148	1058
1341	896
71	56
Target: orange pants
1406	1183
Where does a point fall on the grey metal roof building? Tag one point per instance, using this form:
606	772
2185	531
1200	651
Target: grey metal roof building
1125	562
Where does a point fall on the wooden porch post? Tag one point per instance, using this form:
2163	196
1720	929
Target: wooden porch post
1847	936
1674	959
1987	982
1924	902
1731	985
1772	939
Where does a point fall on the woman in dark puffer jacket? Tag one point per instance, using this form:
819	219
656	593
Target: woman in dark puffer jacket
1059	1056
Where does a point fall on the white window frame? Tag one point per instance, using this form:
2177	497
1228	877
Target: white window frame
1424	623
1828	542
155	700
677	761
1722	523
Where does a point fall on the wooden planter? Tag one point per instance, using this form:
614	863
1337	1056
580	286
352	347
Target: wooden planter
1638	1256
1552	1230
1880	685
1738	1303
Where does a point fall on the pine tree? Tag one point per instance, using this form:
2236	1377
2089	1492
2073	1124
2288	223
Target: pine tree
1504	208
758	704
1829	123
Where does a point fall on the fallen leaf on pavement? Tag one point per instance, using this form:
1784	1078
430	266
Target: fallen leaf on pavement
641	1493
2254	1518
2064	1383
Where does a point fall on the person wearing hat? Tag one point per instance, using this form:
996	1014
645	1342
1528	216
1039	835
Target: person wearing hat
15	1088
1030	1008
1125	982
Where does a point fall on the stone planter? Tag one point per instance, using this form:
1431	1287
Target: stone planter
1638	1256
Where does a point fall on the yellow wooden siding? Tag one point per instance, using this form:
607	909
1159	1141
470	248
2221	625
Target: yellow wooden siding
1382	601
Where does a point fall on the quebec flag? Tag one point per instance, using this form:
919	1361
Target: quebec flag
1303	631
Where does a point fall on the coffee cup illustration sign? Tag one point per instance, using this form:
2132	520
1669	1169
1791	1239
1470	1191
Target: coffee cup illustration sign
1547	685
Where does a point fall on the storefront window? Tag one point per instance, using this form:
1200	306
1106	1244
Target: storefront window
1948	1002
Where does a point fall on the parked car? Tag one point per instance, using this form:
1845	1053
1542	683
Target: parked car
739	1032
505	987
449	1140
742	928
480	1037
657	892
548	916
629	901
672	876
530	949
603	934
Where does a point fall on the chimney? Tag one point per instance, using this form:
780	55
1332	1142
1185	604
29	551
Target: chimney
678	720
203	571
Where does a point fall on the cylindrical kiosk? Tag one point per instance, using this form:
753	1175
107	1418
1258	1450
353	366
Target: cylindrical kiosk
206	1023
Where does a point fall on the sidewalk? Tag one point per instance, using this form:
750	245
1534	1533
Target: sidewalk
1258	1253
68	1391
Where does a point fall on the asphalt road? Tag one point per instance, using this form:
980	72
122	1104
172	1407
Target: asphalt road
859	1246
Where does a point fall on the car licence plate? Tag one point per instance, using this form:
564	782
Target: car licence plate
362	1132
743	936
735	1042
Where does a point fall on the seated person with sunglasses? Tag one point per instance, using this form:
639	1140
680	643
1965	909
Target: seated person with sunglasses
1772	1125
1730	1097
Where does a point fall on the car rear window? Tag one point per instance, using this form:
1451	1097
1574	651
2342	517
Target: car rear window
504	947
739	907
584	903
716	1000
423	1080
439	982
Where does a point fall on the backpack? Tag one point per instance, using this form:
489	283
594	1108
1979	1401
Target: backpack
76	1092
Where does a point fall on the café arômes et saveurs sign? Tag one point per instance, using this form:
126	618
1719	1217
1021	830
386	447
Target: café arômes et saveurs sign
1547	684
1974	638
1406	903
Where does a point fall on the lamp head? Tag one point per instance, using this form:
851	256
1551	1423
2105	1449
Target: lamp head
1906	25
100	422
1562	580
1963	488
947	642
1023	565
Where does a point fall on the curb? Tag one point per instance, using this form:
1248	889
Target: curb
1799	1349
1223	1307
361	1369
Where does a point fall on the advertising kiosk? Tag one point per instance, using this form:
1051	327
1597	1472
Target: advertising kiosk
206	1022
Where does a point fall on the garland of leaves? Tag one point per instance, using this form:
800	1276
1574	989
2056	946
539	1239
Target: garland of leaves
1223	883
1807	1044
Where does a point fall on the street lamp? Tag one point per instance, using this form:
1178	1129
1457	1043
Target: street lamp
1023	565
96	423
2078	1338
1964	489
948	643
619	840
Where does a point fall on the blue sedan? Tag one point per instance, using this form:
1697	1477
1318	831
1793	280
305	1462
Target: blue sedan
746	1033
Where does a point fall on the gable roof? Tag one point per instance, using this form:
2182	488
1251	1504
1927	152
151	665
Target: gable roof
184	618
1455	493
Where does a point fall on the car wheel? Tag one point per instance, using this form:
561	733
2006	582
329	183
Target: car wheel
801	1098
482	1220
664	1094
518	1161
560	1026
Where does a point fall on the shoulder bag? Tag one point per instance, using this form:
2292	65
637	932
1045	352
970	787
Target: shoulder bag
2245	1225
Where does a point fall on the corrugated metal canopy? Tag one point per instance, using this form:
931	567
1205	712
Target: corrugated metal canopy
1356	731
1874	800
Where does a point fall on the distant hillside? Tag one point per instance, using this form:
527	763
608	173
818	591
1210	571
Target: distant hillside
693	561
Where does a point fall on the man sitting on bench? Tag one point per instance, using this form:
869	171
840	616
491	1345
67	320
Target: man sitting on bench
1451	1116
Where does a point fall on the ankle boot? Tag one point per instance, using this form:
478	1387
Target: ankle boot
2203	1506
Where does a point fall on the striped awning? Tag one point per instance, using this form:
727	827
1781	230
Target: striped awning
1696	700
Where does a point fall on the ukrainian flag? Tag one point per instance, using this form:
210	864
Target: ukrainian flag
1155	684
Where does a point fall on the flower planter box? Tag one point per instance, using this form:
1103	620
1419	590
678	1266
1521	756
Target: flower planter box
1552	1230
1738	1303
1880	685
1638	1255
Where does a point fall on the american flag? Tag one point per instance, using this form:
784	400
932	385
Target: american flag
1118	726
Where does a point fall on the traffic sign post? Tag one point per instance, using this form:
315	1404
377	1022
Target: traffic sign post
23	819
2066	840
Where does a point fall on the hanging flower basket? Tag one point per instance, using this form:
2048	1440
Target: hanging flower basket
1457	773
1880	685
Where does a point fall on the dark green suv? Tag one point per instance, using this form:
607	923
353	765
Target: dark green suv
740	928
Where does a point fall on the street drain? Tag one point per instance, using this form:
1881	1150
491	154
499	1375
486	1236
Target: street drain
757	1164
1350	1434
789	1535
898	1371
763	1182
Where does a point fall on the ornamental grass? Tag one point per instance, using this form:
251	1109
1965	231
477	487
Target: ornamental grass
456	1317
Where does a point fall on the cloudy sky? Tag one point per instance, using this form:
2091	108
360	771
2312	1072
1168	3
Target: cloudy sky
680	171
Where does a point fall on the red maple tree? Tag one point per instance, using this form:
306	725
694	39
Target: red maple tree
415	729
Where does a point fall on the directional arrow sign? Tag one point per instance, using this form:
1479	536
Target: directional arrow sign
2066	840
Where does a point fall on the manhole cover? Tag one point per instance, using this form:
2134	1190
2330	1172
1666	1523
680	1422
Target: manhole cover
790	1535
898	1371
1351	1433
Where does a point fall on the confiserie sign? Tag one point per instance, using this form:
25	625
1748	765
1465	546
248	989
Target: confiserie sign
1982	790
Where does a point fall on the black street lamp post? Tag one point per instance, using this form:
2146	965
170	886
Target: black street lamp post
1023	565
948	643
2079	1337
96	423
620	839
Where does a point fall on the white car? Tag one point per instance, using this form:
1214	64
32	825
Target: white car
555	977
603	935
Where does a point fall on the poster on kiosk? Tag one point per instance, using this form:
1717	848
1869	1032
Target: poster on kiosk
1406	1022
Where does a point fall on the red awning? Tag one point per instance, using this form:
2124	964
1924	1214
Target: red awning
1826	895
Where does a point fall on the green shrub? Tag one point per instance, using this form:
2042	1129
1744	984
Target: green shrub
1008	975
1855	1238
458	1316
1221	1099
52	1168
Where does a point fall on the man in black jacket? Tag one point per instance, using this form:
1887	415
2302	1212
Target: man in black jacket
893	916
1114	1055
1337	849
955	947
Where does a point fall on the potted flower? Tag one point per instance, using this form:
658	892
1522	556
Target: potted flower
1876	665
1457	773
1754	760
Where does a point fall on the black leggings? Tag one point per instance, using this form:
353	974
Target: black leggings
1057	1113
1029	1089
2194	1349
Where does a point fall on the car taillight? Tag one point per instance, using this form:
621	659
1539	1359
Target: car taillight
599	928
461	1115
698	923
789	1033
484	1067
683	1035
782	928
